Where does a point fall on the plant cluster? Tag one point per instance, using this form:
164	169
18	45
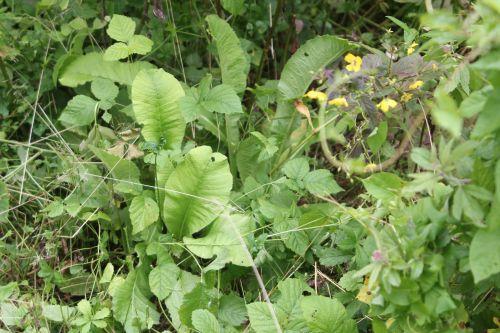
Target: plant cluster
249	166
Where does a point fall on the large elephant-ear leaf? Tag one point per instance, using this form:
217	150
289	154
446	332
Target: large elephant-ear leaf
196	192
76	70
224	240
233	62
307	62
155	99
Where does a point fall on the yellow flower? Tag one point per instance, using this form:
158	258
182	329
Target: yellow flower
386	104
411	49
415	85
434	67
406	97
354	62
339	101
313	94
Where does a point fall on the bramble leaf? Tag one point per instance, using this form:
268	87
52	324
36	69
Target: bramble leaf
325	315
121	28
143	212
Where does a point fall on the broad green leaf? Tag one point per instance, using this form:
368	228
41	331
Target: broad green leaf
377	138
383	185
445	113
196	192
307	62
7	290
12	314
474	103
109	270
143	212
488	120
205	322
321	182
120	169
57	313
247	156
438	301
79	70
261	318
233	62
104	89
332	257
121	28
84	307
291	235
201	297
162	279
117	51
140	44
155	97
297	168
232	310
291	294
484	254
220	99
287	309
235	7
223	239
78	23
80	111
131	305
326	315
185	284
4	202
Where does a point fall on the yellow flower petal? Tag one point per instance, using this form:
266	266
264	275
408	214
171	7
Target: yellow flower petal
349	58
411	49
406	97
313	94
386	104
339	101
415	85
354	62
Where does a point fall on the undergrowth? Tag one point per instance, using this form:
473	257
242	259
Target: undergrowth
249	166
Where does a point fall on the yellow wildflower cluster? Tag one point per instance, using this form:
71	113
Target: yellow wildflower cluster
406	97
415	85
354	62
313	94
339	101
411	49
322	97
386	104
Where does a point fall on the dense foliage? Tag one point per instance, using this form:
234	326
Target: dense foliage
249	166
